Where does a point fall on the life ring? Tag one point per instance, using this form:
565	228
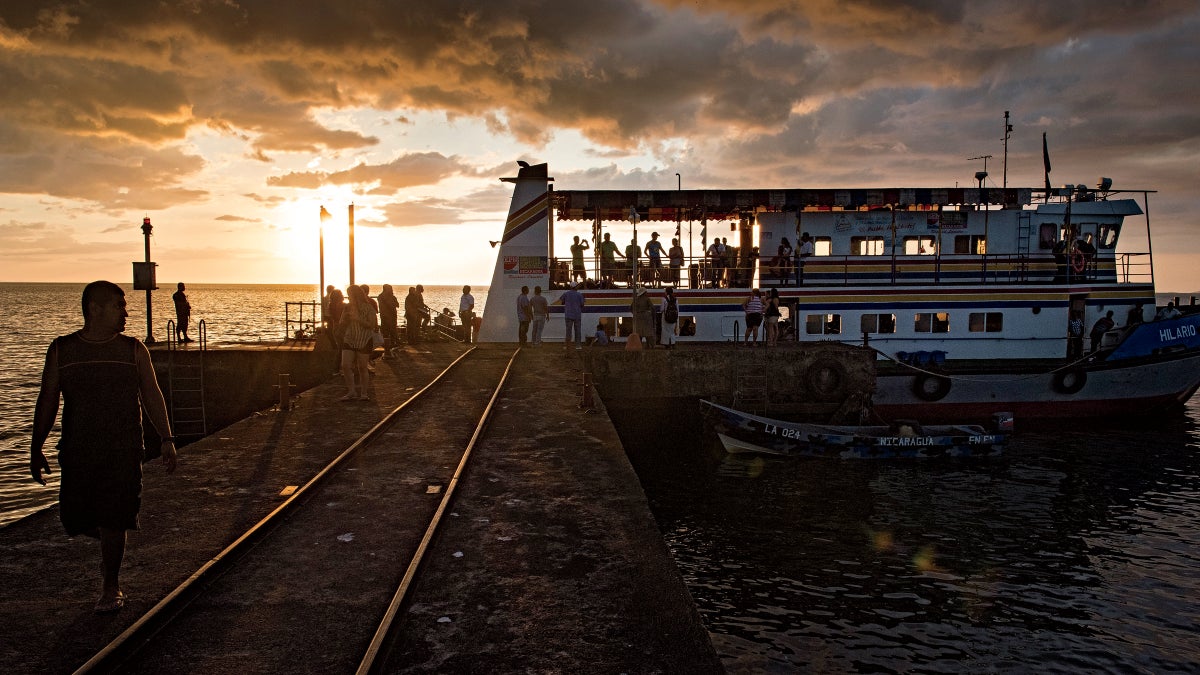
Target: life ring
827	379
1070	381
1078	262
930	387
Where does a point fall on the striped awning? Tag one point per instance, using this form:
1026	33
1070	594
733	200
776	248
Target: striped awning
676	205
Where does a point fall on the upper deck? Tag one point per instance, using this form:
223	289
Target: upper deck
886	236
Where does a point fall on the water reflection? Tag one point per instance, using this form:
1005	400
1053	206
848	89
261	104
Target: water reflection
1077	550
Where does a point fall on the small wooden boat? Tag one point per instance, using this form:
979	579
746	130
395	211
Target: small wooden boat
742	432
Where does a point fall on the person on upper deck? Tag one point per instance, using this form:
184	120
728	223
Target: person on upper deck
654	251
676	260
578	270
782	260
608	260
803	252
632	253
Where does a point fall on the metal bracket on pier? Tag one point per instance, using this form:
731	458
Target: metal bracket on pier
586	399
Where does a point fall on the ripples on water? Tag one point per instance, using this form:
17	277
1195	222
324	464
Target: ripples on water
34	314
1079	551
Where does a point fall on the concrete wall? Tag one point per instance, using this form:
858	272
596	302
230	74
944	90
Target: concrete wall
239	382
827	381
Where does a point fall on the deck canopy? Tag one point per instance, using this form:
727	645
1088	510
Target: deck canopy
677	205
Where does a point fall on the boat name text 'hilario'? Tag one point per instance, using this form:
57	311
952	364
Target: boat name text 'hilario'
1176	333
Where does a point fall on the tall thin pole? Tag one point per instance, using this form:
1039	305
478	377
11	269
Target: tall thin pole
351	244
147	228
321	243
1007	132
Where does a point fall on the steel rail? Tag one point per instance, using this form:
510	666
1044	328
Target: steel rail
378	642
110	657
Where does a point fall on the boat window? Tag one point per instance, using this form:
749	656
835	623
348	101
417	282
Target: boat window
823	324
822	246
920	245
1047	235
986	322
970	244
1108	235
866	245
878	323
932	322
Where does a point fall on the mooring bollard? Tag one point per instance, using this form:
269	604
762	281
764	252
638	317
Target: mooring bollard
285	391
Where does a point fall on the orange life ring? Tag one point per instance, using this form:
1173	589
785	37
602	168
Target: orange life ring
1078	262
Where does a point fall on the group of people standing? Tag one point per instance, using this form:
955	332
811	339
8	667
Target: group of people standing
762	311
534	311
359	326
655	274
643	311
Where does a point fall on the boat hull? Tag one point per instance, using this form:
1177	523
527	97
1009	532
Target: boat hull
1104	390
741	432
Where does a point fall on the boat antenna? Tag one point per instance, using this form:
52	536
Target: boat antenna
981	175
1007	133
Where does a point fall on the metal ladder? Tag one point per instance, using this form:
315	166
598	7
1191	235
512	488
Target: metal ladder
1023	236
186	382
750	393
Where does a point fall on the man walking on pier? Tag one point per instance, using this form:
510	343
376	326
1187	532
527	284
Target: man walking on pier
524	315
104	379
573	302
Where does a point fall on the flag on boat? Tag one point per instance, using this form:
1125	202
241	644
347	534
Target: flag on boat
1046	162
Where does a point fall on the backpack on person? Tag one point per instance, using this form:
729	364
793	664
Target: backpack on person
672	313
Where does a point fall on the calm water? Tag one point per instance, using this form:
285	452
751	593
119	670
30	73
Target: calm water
1079	551
31	315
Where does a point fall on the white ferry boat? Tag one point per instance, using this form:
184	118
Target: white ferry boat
968	295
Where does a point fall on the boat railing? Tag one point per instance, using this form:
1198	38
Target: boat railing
846	270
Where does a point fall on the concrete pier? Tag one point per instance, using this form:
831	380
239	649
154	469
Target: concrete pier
562	568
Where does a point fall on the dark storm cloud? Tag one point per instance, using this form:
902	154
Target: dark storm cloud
818	90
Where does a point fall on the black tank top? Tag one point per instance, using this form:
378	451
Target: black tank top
101	398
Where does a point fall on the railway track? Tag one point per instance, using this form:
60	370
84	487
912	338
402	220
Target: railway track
364	523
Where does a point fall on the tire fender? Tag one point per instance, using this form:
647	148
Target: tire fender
1069	381
930	387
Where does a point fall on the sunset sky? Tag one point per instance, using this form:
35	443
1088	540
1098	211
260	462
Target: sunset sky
230	122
